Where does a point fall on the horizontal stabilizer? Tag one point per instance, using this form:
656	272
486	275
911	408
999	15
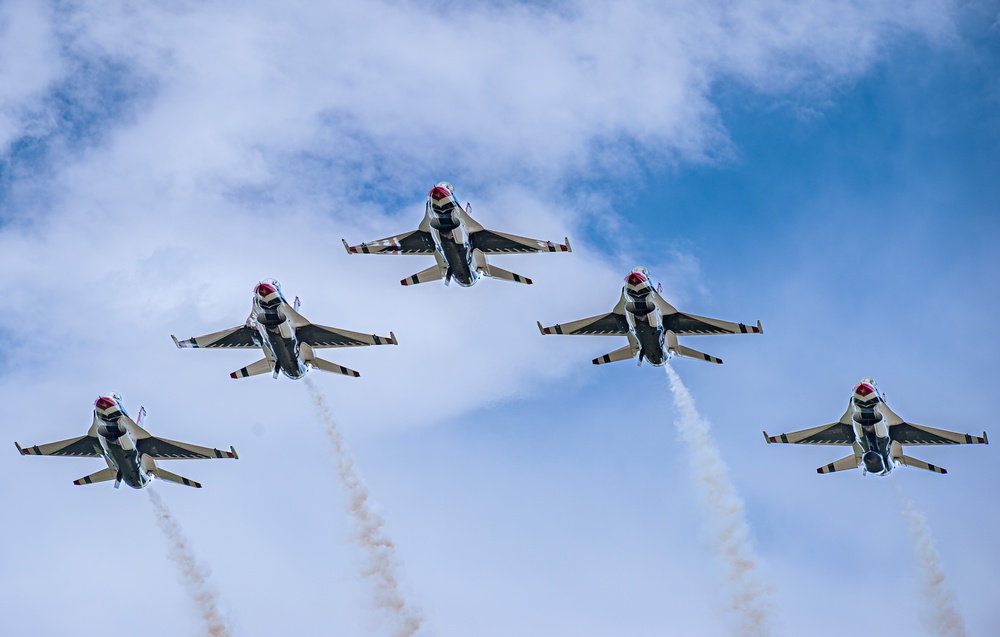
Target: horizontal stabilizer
687	352
620	354
163	474
433	273
845	463
494	272
907	461
104	475
263	366
327	366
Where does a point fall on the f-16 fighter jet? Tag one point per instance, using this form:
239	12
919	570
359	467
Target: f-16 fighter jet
457	242
130	451
651	325
287	338
876	434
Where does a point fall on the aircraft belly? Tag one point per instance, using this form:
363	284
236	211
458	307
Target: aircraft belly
126	461
649	342
283	350
457	257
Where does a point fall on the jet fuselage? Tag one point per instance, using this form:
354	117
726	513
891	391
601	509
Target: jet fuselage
118	442
273	325
450	235
870	431
644	317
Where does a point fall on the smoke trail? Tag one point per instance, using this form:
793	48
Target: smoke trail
945	619
193	574
370	525
750	596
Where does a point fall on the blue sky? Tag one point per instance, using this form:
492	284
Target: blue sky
830	171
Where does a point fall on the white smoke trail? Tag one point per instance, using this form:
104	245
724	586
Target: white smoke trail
193	574
945	620
750	595
370	525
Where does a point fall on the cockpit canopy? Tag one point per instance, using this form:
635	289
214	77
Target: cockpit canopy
266	287
638	276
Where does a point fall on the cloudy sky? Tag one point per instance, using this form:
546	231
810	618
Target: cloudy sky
829	168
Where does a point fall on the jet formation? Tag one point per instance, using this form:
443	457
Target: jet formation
875	434
287	339
458	243
130	451
650	324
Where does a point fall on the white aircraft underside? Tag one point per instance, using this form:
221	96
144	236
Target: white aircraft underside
129	450
875	434
286	338
650	324
458	243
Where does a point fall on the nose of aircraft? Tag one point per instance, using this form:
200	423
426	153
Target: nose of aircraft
264	290
104	403
864	390
635	278
438	193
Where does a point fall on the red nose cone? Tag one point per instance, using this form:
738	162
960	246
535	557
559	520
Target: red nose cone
635	278
104	403
438	193
864	389
263	290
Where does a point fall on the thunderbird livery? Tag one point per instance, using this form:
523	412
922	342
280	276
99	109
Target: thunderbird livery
651	325
288	340
457	242
130	451
876	435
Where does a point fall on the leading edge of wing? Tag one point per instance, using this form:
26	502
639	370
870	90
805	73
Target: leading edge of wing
493	242
835	433
412	242
610	324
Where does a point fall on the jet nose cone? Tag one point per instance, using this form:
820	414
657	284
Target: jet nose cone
104	403
864	390
264	290
437	193
635	278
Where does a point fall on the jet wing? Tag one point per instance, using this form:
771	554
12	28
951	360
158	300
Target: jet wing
492	242
322	336
413	242
171	449
835	433
610	324
908	433
684	324
81	447
241	337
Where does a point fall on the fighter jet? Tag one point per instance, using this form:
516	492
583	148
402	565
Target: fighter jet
287	338
651	325
457	242
876	434
130	451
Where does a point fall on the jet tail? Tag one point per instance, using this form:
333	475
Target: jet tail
104	475
263	366
163	474
327	366
687	352
845	463
433	273
620	354
907	461
494	272
673	347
